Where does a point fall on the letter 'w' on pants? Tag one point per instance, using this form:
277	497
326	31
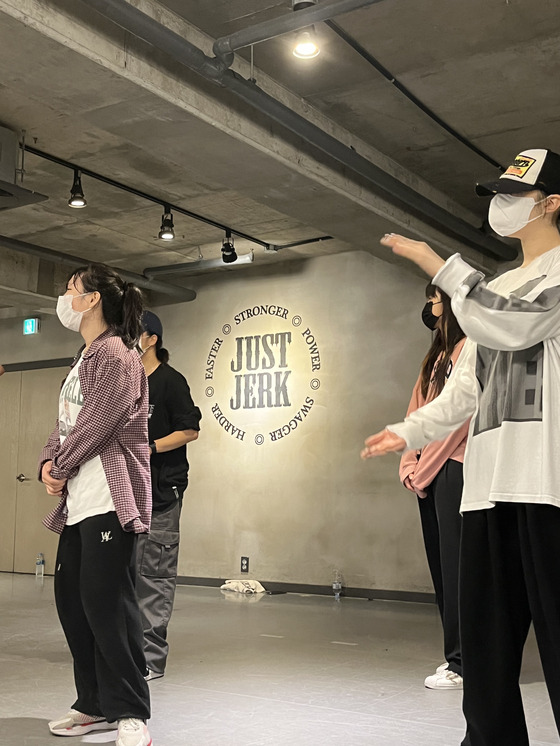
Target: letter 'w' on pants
98	610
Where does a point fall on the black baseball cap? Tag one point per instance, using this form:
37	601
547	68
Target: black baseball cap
152	324
531	169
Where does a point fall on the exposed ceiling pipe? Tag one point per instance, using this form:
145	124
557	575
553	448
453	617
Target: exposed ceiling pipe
58	257
146	28
225	46
388	75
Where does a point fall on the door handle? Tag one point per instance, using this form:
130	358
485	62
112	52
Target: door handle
22	478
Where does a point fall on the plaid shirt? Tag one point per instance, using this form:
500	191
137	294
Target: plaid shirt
112	424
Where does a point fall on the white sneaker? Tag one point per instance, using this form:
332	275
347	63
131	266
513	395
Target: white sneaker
76	723
442	668
133	732
444	680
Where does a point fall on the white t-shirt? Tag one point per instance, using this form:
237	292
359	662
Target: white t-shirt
507	378
88	491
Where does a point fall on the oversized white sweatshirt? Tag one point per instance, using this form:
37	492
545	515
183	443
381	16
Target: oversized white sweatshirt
507	378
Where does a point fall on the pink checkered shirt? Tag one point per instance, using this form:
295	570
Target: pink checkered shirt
112	424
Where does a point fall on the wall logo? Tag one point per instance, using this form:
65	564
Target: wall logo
262	374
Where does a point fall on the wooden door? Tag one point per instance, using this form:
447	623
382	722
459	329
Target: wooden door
38	410
10	389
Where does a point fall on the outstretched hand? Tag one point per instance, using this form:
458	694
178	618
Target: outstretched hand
382	443
416	251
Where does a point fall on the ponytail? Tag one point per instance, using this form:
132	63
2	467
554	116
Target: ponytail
122	302
133	306
161	353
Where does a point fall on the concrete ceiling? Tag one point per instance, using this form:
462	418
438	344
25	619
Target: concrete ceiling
86	91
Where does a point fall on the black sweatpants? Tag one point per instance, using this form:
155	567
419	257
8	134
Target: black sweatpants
510	575
97	607
441	528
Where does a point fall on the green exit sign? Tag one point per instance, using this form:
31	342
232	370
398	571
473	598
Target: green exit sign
31	326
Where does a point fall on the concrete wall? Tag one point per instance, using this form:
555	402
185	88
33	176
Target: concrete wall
301	502
52	342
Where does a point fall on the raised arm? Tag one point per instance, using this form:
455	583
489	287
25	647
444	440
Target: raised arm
494	321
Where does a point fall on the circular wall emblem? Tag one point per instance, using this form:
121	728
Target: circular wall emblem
258	374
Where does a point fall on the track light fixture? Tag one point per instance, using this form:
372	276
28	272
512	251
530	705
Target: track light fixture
77	198
306	46
228	248
303	4
167	232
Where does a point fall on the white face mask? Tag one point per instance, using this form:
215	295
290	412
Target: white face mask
68	317
509	213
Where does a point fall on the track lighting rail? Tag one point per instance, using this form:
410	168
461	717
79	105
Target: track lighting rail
168	207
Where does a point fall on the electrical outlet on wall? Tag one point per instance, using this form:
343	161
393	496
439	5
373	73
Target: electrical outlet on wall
244	564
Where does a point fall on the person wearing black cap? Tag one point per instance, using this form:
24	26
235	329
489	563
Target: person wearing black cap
508	379
173	422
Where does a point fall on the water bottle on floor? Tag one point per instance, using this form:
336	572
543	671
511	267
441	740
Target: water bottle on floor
337	584
40	565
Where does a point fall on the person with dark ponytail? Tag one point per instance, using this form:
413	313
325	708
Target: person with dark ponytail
435	475
174	422
97	461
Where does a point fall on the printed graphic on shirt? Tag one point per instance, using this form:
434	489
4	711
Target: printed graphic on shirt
511	384
70	403
448	371
520	166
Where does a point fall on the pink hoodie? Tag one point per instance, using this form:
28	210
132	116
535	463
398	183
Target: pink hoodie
418	469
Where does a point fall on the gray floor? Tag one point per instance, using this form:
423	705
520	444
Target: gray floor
258	671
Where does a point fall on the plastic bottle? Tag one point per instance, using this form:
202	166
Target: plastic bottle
337	584
40	565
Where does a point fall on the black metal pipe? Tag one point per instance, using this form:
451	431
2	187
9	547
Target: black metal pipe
166	40
225	46
363	52
134	21
58	257
279	247
352	160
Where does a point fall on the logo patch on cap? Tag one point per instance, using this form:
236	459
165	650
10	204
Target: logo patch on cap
520	166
